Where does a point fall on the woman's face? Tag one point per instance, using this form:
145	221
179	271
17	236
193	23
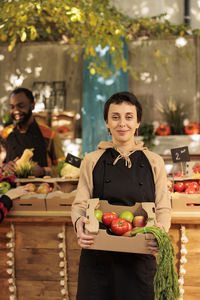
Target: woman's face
122	122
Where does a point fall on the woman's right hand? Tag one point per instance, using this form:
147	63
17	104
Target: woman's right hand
84	240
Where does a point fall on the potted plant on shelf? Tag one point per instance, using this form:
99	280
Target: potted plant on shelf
174	114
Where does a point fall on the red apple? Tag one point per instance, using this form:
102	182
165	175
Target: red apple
139	221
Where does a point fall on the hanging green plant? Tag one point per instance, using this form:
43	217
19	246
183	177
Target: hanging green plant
85	24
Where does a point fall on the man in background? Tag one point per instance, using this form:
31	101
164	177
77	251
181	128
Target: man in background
27	133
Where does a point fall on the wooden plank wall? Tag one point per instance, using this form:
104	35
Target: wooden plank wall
192	266
37	261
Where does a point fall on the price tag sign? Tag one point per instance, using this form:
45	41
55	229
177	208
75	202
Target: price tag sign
180	154
73	160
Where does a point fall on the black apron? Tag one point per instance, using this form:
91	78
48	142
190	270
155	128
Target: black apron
110	275
17	142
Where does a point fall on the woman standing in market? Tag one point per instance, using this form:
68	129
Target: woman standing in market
123	172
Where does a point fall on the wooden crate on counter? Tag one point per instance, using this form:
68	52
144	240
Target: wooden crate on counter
31	202
55	202
59	201
65	185
64	122
185	205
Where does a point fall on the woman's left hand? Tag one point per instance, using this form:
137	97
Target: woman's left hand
152	245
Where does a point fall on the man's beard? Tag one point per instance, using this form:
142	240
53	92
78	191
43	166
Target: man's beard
24	120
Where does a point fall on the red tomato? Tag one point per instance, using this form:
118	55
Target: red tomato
187	183
178	174
196	170
190	190
194	184
108	217
119	226
179	186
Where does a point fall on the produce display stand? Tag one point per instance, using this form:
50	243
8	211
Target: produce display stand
46	252
56	202
185	234
36	244
185	205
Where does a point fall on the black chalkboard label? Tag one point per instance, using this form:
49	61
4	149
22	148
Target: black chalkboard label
180	154
73	160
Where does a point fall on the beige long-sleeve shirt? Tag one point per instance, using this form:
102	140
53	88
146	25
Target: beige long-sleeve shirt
85	185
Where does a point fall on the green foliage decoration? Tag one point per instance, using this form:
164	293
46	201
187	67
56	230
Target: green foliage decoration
83	23
146	130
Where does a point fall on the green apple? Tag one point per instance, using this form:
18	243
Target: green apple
98	214
127	215
4	187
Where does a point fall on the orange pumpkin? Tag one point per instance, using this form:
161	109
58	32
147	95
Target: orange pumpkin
192	128
163	130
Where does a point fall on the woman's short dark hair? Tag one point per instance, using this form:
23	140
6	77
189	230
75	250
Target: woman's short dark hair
123	97
27	92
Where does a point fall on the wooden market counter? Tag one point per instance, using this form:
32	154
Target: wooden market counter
192	266
46	257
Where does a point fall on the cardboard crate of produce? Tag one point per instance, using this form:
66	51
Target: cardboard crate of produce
186	203
66	185
59	201
58	184
29	202
105	241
